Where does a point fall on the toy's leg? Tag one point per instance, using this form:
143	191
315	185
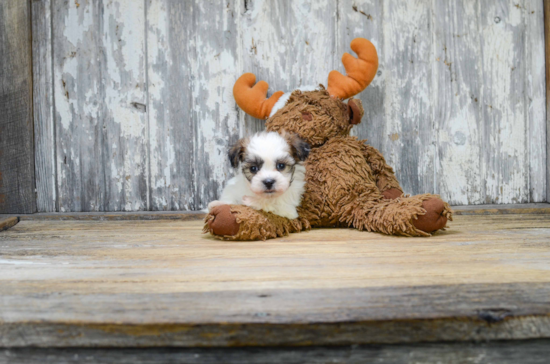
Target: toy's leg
383	174
418	215
238	222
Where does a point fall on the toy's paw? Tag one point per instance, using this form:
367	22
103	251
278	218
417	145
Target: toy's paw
392	194
222	222
435	217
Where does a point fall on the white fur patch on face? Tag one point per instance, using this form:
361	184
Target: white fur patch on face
284	98
268	164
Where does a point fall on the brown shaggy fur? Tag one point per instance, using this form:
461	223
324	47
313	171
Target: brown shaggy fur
345	179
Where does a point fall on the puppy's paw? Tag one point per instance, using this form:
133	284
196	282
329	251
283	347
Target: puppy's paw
289	213
215	203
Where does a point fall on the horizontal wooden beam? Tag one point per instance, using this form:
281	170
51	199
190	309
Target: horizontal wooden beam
504	352
386	315
113	216
533	208
527	208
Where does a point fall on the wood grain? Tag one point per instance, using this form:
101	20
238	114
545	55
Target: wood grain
547	63
8	222
535	84
163	283
214	62
99	74
506	352
458	83
43	103
533	208
509	209
409	108
506	171
16	130
170	99
115	216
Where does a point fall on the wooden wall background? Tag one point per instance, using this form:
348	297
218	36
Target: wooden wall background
16	123
134	110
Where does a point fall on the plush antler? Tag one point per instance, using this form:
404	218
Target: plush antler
360	71
253	100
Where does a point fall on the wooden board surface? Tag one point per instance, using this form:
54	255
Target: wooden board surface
8	222
507	352
16	129
134	107
163	283
43	107
547	79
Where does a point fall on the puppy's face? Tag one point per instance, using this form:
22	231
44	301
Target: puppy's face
268	161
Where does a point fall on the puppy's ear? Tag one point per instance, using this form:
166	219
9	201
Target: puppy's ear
298	148
237	152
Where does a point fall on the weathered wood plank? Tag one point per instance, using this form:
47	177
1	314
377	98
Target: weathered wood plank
408	105
505	352
16	131
78	106
115	216
505	160
214	63
533	17
162	283
547	64
458	83
99	70
43	107
8	222
527	208
535	208
171	125
123	73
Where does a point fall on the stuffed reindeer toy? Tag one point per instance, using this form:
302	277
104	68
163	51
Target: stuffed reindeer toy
348	183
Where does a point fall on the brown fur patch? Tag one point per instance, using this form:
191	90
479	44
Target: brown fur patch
299	149
328	117
237	152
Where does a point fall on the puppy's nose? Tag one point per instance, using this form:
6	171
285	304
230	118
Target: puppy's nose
268	183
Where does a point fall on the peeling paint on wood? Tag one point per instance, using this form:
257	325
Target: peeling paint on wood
99	72
143	111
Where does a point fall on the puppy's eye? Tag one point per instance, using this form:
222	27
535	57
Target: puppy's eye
281	166
253	169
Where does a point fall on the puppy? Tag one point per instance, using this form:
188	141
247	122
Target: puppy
270	173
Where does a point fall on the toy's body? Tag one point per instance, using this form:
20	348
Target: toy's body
348	183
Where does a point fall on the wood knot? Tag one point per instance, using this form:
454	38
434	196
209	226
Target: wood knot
492	315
